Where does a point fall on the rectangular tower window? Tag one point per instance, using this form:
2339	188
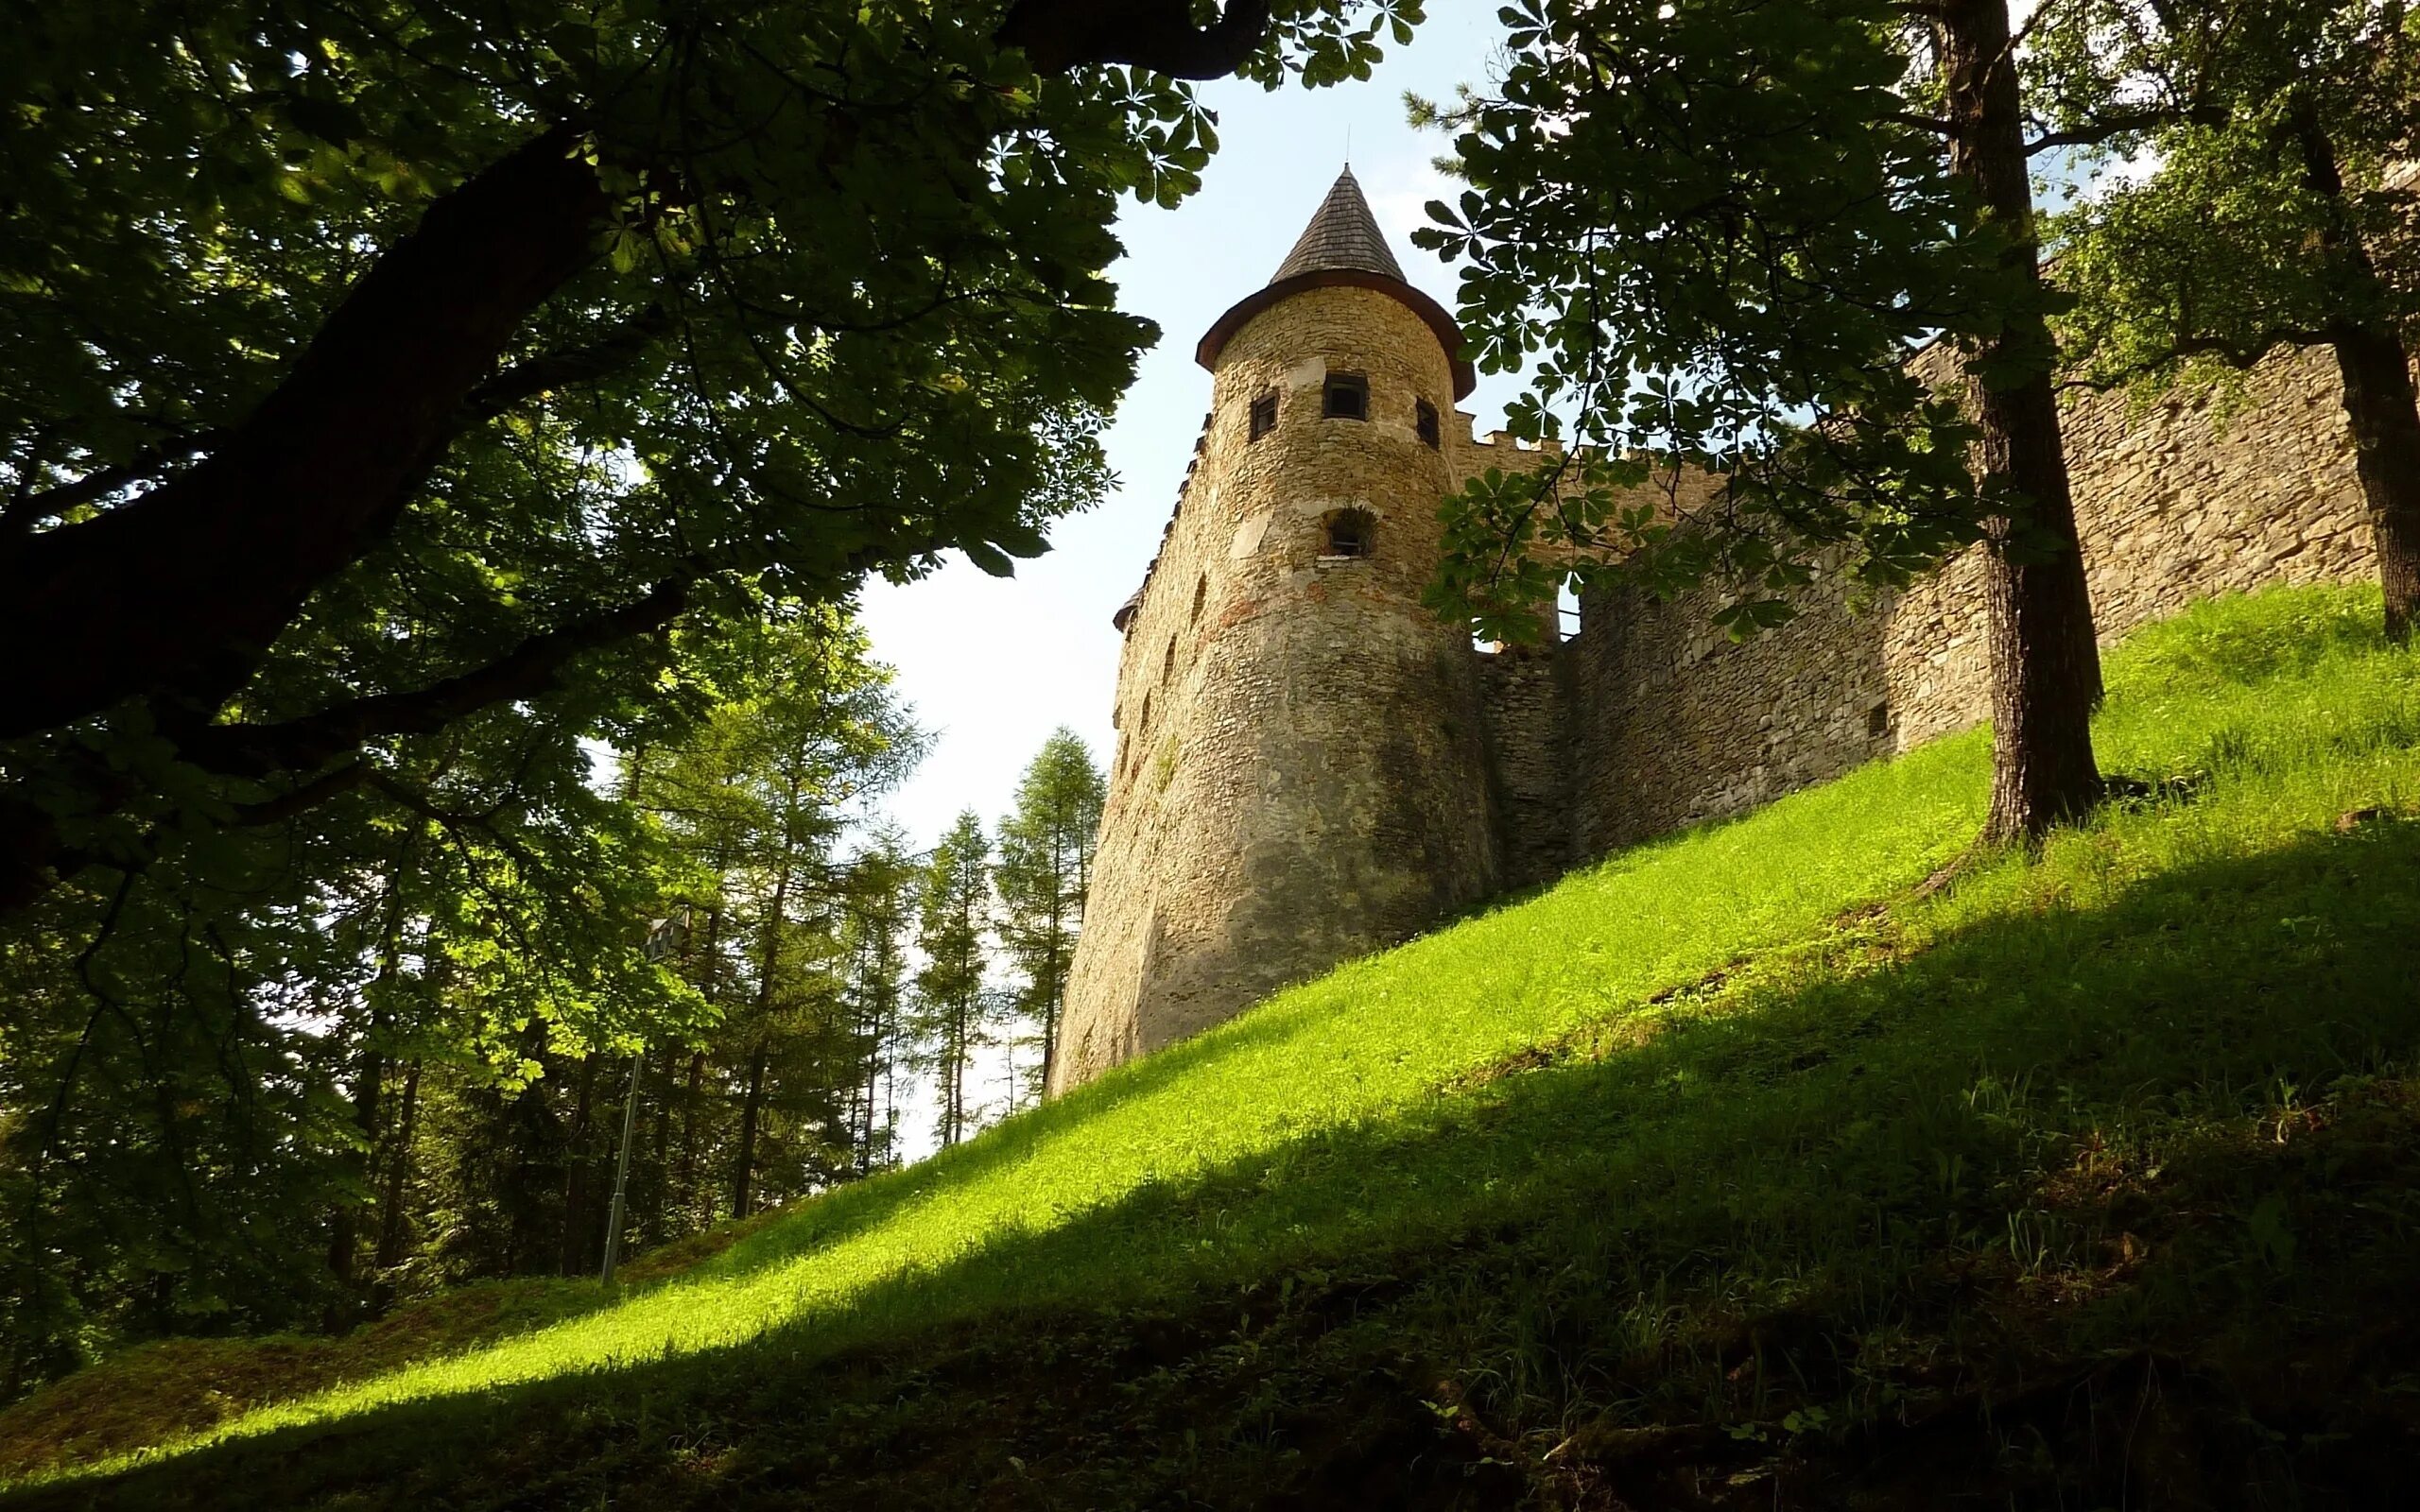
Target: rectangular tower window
1264	415
1423	419
1348	397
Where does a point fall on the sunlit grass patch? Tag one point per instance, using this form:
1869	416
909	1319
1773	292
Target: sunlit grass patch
1709	1079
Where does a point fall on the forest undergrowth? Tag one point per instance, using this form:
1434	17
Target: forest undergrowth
1743	1169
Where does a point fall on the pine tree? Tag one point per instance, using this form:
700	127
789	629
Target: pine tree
879	898
1046	866
954	914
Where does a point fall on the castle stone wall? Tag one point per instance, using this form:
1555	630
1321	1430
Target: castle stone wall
1528	707
1672	723
1675	723
1301	775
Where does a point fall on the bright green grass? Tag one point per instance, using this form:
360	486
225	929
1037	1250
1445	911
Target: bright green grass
2276	714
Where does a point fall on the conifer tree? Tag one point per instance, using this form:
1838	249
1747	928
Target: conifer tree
878	906
954	925
1046	866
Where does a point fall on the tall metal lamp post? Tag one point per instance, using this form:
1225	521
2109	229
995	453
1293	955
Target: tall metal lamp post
661	938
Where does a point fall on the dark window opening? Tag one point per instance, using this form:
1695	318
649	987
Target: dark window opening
1347	534
1424	420
1347	397
1168	663
1264	415
1201	591
1878	719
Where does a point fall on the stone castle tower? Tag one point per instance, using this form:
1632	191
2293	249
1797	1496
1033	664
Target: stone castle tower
1298	737
1311	764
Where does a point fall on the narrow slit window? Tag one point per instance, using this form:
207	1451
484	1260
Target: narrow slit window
1347	397
1264	415
1423	419
1168	663
1346	533
1200	594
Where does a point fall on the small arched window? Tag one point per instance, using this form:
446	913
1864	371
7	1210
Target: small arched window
1346	533
1168	663
1200	594
1346	397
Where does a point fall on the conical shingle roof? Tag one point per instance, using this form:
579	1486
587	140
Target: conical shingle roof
1342	236
1341	248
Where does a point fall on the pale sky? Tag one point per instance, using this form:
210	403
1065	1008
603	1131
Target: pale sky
992	666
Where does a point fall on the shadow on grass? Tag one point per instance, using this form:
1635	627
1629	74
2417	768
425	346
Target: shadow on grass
1828	1127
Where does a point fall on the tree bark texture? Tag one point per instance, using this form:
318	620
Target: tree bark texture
399	1167
743	1179
752	1106
578	1203
2046	663
203	574
2381	409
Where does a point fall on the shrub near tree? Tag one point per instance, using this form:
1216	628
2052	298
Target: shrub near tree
1716	231
2279	214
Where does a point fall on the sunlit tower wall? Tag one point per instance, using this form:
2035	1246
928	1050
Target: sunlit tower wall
1301	774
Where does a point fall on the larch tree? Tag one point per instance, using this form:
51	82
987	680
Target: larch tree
954	926
1045	870
1716	233
878	906
2277	212
808	732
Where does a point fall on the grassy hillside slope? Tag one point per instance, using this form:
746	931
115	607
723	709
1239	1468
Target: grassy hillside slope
1736	1171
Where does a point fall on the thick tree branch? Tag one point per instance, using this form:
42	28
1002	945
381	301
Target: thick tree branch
2246	353
570	369
177	593
2122	123
52	503
1156	34
528	669
324	750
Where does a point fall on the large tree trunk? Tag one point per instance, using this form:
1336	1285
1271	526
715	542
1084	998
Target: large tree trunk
2046	665
370	1075
769	967
2381	409
369	1082
399	1167
578	1201
744	1172
659	1153
686	1184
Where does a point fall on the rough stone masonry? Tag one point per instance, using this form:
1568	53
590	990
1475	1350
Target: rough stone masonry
1312	765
